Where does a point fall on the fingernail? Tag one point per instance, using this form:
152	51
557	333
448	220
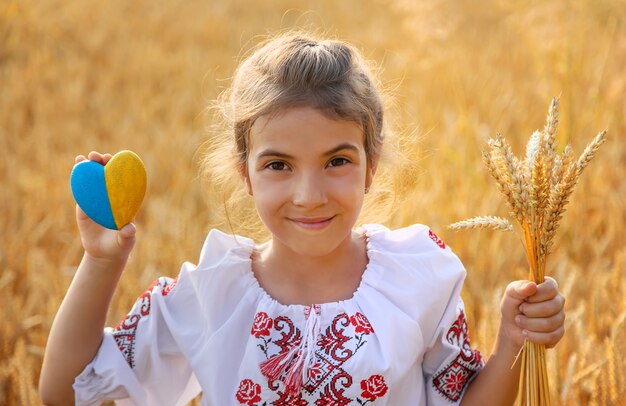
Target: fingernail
518	319
525	333
521	308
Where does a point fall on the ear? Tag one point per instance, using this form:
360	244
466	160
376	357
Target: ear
243	172
370	172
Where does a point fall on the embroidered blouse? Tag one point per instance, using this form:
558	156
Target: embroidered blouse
401	339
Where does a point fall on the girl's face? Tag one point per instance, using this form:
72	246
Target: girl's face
307	174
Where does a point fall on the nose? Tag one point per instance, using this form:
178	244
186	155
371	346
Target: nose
309	191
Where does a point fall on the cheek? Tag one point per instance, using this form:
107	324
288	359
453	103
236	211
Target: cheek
268	196
349	190
352	183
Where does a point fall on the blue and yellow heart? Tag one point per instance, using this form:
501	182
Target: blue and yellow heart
110	194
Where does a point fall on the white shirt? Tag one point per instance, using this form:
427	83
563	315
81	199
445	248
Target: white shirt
400	340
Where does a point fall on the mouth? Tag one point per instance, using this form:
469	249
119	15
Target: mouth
312	223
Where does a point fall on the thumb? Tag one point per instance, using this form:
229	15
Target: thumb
126	235
516	293
520	290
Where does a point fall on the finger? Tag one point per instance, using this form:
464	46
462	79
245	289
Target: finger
545	291
106	158
127	233
548	339
80	214
514	295
79	158
543	309
96	156
542	324
520	290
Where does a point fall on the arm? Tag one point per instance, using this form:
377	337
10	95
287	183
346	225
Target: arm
81	317
79	321
529	311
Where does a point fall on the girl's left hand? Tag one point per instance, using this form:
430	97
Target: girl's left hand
534	312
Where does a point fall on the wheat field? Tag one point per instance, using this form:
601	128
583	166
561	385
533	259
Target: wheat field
103	75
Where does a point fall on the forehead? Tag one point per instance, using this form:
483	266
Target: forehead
303	129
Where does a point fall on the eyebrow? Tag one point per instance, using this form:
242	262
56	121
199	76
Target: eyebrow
340	147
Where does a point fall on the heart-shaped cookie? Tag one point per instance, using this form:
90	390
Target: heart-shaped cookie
110	195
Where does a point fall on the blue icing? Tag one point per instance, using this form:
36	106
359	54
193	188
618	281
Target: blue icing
90	192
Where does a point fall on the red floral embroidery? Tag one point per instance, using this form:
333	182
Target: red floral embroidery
361	323
452	380
248	393
455	381
326	380
331	396
373	387
262	325
333	340
287	399
165	284
458	335
169	286
317	371
327	399
124	332
436	239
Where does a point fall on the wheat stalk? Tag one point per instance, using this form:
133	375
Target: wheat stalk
492	222
536	190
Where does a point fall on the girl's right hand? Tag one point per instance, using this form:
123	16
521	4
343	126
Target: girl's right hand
101	243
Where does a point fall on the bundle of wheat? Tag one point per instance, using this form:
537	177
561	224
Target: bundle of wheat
536	189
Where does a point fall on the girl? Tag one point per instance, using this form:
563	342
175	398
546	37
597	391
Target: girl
322	313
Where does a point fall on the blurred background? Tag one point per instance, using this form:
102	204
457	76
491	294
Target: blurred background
109	75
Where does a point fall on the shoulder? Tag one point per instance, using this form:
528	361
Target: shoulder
215	286
202	297
415	269
416	247
221	255
224	264
413	236
219	246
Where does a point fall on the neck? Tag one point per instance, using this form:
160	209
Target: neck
291	277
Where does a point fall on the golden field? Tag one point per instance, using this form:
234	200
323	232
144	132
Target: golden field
77	76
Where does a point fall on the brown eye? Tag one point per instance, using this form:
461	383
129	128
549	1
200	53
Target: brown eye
339	161
276	166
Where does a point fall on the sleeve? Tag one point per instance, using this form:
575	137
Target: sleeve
451	363
140	361
422	279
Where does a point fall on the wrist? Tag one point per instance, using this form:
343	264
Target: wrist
505	343
102	264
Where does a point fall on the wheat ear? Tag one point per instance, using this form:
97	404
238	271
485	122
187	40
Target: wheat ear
492	222
507	167
589	152
549	134
552	122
